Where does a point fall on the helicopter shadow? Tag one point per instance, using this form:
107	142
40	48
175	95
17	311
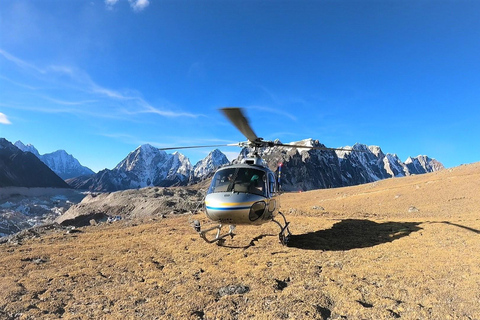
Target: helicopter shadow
353	234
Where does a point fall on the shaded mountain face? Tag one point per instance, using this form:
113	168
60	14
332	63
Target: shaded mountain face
62	163
307	169
24	169
148	166
422	164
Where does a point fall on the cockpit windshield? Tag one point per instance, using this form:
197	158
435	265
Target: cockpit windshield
244	180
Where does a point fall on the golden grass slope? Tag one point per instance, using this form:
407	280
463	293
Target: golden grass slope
404	248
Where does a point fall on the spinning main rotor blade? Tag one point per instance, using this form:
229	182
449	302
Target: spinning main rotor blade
236	117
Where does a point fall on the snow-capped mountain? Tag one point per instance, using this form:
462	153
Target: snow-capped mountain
307	169
62	163
148	166
23	169
26	148
209	164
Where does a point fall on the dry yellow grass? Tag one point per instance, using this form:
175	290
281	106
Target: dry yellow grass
400	248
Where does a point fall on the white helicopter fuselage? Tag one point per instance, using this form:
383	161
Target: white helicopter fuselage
242	194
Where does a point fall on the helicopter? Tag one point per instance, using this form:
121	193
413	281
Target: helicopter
245	193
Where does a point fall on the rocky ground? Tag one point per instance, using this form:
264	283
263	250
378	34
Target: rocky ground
22	208
137	204
400	248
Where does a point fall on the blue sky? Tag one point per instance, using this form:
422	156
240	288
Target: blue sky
100	78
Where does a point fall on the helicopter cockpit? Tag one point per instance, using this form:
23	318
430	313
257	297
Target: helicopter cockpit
240	180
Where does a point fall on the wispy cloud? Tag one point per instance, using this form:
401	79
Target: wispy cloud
69	86
110	3
4	119
20	63
165	113
137	5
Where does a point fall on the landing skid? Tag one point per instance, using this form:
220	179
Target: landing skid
219	239
285	233
283	236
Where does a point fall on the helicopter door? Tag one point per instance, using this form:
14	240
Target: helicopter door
272	190
272	186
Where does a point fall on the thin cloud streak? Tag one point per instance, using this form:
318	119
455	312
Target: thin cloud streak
170	114
103	102
69	103
71	111
20	63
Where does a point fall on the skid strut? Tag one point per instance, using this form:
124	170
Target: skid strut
220	239
285	233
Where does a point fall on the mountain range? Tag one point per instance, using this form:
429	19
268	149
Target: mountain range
308	169
62	163
303	169
150	166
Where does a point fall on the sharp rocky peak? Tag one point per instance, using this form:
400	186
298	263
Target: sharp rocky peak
209	164
26	148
